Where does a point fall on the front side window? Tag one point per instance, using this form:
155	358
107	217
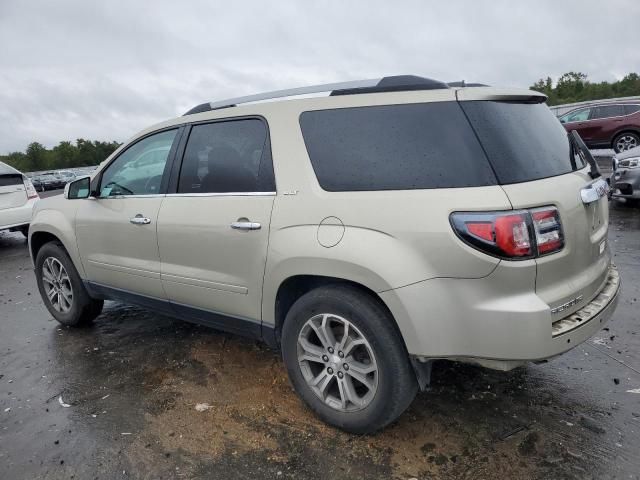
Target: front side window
225	157
606	111
139	169
577	116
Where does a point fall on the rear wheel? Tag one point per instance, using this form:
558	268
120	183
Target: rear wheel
346	359
61	287
626	141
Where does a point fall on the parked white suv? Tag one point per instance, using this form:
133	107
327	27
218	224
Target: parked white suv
17	199
365	232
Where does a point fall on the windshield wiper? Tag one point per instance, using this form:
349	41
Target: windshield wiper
577	143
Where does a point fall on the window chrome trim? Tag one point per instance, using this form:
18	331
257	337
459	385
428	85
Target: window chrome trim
223	194
151	195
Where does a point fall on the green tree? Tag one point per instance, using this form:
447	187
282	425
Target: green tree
575	87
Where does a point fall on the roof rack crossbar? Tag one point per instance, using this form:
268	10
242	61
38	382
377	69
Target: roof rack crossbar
386	84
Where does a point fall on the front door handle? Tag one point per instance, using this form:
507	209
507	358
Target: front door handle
140	219
245	225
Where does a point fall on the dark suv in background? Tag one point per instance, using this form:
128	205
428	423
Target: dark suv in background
611	125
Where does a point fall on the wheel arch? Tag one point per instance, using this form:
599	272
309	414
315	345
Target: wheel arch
52	225
294	286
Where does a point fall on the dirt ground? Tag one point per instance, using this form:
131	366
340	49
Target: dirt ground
124	399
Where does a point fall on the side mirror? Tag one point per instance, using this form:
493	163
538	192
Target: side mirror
78	189
562	120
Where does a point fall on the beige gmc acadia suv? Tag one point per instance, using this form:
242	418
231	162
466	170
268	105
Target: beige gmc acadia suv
364	228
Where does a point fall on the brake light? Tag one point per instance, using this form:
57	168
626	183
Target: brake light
520	234
30	189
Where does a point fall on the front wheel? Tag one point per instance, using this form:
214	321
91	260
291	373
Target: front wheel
346	359
626	141
61	287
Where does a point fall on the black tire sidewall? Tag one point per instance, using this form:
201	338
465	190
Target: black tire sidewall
74	317
391	357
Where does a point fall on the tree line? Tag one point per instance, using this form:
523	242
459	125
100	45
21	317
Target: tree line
37	157
574	87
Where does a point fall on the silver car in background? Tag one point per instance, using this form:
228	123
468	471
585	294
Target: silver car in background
625	179
17	199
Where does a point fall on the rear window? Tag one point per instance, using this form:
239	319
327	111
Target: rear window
524	141
394	147
9	179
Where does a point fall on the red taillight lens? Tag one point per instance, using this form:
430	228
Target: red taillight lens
512	235
517	234
546	223
483	230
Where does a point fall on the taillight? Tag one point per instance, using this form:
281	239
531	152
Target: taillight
30	189
515	235
546	224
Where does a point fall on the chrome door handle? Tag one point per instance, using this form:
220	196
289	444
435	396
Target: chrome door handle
140	220
246	225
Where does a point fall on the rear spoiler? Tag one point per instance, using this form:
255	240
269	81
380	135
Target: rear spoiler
518	95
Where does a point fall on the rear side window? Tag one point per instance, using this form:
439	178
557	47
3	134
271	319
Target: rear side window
606	111
523	141
228	156
629	109
394	147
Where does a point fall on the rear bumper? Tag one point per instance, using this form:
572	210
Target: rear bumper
463	322
18	216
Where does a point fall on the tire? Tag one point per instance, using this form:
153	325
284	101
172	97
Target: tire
74	310
625	141
393	383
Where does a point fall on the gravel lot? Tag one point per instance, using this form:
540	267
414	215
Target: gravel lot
118	400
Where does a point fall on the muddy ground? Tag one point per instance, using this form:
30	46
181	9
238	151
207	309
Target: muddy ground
133	380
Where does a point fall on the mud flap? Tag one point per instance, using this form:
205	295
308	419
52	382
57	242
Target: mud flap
423	373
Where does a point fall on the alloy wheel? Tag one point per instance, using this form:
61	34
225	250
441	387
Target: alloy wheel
337	362
626	142
57	285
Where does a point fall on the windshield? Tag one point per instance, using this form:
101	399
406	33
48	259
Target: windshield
523	141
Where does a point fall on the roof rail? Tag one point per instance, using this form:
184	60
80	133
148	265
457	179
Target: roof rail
386	84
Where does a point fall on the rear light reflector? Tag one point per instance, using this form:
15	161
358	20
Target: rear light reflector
30	189
514	235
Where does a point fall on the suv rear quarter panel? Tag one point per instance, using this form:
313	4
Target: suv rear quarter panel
390	239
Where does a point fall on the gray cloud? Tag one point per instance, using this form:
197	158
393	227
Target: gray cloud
103	70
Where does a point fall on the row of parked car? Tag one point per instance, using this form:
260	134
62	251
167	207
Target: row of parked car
52	180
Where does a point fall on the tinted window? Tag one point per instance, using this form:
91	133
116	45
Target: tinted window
606	111
139	169
577	116
523	141
10	179
394	147
231	156
629	109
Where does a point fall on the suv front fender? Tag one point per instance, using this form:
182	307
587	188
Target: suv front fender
54	223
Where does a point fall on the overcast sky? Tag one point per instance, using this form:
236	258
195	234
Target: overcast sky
104	70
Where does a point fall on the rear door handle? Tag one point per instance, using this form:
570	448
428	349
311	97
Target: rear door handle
140	219
246	225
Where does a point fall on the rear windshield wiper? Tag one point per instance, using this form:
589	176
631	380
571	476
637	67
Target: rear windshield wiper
578	144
